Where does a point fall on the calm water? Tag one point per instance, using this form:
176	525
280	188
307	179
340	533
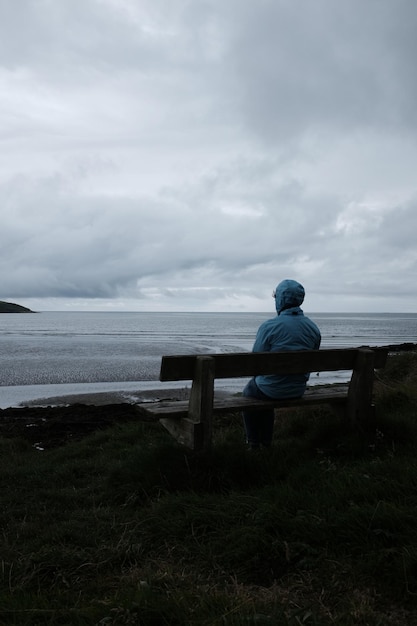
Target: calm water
61	349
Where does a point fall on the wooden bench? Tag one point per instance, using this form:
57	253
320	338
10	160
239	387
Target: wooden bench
190	421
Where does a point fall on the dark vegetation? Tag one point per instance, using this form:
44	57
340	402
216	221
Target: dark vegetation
10	307
106	520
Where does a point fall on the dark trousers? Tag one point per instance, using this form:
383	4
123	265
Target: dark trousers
259	423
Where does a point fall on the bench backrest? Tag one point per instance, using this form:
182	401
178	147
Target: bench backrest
242	364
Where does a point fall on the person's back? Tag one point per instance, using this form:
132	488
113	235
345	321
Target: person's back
289	330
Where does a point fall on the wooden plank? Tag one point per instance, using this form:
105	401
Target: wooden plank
201	397
202	390
177	408
182	367
360	388
337	395
185	431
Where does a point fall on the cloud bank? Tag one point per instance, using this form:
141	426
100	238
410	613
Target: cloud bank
188	155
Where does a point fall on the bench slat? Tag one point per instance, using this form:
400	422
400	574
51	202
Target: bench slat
336	394
242	364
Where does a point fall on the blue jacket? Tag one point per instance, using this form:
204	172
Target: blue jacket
289	330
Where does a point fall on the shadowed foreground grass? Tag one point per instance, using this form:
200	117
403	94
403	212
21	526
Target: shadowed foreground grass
127	527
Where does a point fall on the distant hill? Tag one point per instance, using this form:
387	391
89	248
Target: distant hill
10	307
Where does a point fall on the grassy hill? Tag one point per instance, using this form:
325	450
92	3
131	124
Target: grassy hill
126	527
10	307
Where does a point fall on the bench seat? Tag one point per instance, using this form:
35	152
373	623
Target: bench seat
332	394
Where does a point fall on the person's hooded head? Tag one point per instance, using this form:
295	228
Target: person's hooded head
289	294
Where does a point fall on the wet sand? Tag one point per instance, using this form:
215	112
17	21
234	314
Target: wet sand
111	397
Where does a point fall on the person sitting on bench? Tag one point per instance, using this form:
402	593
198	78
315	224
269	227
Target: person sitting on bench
289	330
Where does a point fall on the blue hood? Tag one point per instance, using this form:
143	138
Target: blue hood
288	294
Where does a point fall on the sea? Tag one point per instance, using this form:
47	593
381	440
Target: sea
58	354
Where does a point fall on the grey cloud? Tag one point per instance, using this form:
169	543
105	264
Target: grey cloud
321	65
110	247
202	151
398	231
69	34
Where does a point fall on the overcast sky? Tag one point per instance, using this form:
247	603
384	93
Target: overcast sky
190	154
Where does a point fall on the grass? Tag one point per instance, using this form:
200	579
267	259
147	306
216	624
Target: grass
127	527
